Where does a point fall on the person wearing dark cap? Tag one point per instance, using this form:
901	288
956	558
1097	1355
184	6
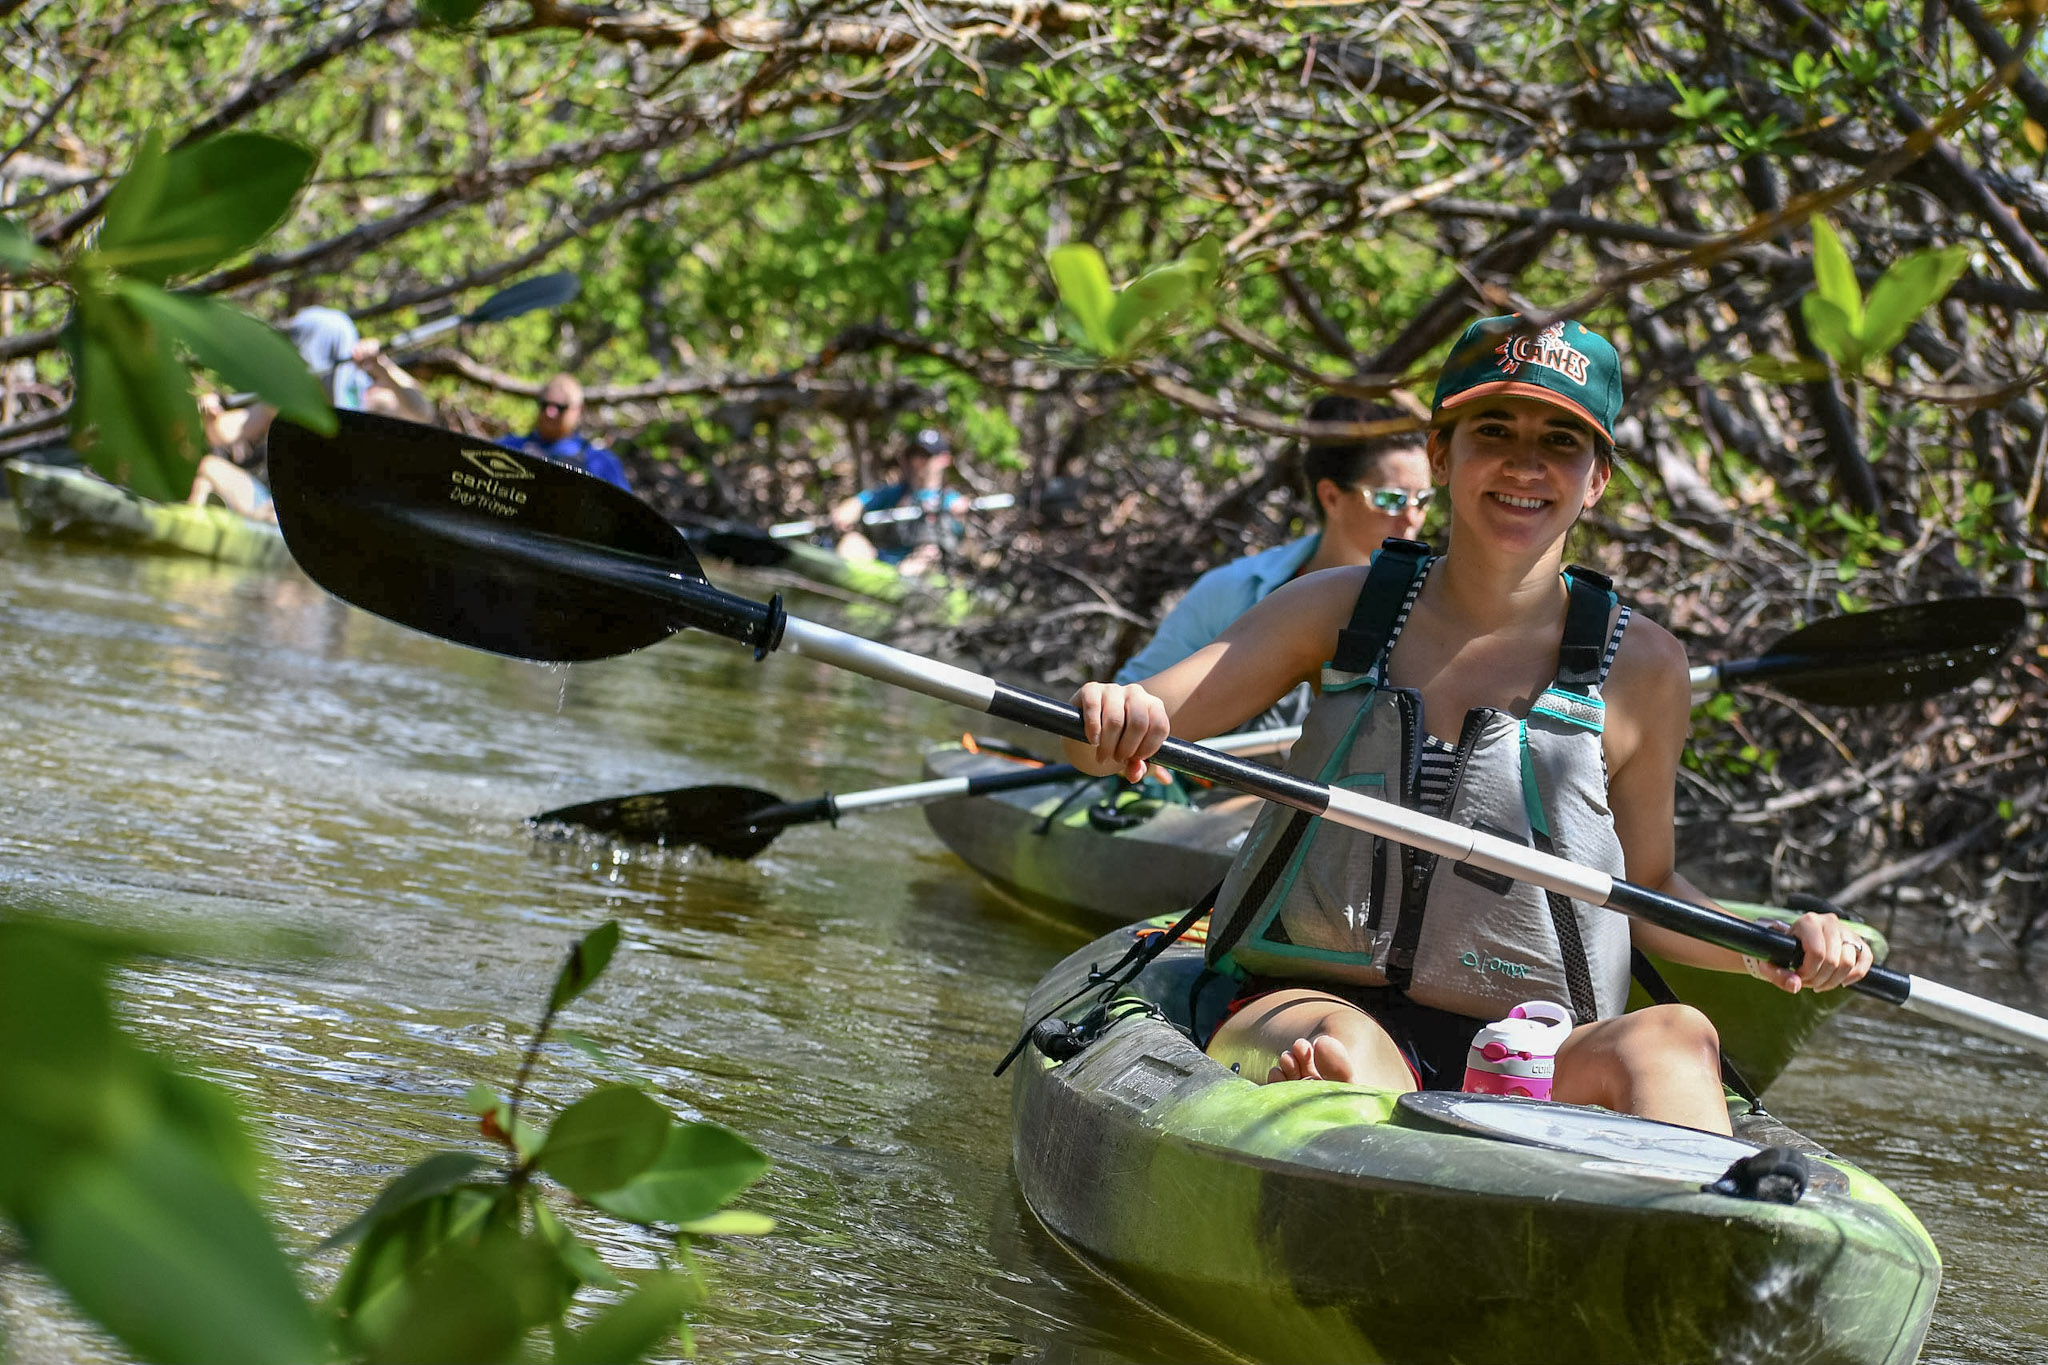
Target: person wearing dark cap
916	545
1493	687
1363	491
554	435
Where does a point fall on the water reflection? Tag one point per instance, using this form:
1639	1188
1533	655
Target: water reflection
187	744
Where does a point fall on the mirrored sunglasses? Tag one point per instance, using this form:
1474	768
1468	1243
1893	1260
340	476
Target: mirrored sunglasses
1397	499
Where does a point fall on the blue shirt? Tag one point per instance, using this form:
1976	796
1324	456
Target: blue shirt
1217	598
574	451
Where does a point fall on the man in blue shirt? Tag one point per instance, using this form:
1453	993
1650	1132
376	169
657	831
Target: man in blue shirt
554	434
1363	491
916	545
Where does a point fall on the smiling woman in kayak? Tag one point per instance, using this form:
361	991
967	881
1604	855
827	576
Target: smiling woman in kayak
1491	687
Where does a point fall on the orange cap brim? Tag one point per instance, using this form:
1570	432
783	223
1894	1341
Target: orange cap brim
1516	389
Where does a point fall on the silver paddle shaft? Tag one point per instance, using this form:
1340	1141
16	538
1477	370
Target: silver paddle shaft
939	788
994	502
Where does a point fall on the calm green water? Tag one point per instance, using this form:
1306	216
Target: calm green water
194	746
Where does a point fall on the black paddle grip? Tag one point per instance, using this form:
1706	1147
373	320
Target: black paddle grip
1022	778
1741	936
1064	719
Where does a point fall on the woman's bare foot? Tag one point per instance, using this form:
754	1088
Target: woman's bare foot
1324	1059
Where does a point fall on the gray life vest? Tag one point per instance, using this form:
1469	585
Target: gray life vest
1311	900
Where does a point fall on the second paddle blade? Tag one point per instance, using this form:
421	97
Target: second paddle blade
1897	654
713	818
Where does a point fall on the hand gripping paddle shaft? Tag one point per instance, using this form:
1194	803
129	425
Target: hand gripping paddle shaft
519	556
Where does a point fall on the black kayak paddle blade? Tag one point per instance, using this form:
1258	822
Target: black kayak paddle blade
1895	654
491	548
542	291
714	818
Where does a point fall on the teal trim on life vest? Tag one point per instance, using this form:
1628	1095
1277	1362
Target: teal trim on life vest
1588	713
1532	795
1256	933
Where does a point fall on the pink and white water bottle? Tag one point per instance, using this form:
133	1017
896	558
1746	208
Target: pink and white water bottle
1518	1054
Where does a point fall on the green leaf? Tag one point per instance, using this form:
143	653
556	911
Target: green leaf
1777	371
1084	287
134	418
427	1179
1205	253
578	1259
1834	277
1149	304
372	1286
481	1099
1832	333
604	1140
702	1166
632	1327
201	204
159	1246
133	199
472	1302
206	1116
18	250
586	963
583	1045
238	348
731	1223
1906	291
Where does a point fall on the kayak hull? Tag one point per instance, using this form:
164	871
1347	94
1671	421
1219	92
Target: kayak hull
1310	1222
1162	865
944	600
69	504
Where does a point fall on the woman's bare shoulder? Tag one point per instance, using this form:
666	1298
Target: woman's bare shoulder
1650	673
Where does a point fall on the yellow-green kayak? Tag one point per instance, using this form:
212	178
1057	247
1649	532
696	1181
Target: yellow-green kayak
72	504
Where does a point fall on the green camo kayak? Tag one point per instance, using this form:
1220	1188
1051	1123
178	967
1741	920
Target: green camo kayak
1316	1221
934	595
1051	848
71	504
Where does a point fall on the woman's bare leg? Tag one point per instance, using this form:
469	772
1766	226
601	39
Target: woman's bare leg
1662	1063
1298	1034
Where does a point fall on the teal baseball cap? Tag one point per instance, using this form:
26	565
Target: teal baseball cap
1564	365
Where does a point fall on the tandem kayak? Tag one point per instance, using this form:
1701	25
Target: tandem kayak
1058	849
72	504
1316	1221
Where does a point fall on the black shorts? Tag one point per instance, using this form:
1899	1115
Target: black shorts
1434	1042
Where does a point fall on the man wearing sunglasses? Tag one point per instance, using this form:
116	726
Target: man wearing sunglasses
554	435
1363	491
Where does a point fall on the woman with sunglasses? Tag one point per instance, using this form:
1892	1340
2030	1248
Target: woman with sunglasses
1364	493
1493	688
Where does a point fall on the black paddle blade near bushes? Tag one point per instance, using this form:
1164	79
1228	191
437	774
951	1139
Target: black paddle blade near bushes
489	548
542	291
1893	654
